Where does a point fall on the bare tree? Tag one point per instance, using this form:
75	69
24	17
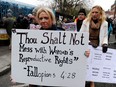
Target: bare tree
71	7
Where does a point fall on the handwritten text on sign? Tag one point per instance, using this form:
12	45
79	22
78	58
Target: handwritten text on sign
52	58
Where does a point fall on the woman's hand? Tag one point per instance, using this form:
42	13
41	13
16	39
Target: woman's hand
87	53
12	81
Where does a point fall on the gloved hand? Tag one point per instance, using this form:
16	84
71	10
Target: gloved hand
104	48
93	45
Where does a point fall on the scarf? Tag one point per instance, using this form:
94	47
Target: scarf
94	30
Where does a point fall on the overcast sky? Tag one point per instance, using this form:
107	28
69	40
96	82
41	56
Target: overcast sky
106	4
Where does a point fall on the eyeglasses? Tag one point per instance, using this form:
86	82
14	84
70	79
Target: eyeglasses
81	14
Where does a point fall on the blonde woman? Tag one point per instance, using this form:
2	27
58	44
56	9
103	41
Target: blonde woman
46	19
96	25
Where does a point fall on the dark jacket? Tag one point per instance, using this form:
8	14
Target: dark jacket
54	27
8	23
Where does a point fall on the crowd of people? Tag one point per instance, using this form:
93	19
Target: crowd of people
30	21
94	22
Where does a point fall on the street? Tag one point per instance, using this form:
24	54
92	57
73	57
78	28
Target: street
5	80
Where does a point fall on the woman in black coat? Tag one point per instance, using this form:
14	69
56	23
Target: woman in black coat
46	19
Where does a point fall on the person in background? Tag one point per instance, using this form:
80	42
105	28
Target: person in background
19	20
110	28
9	23
80	18
65	20
58	22
33	24
25	22
114	27
97	27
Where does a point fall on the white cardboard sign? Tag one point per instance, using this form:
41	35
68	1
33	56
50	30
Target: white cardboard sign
101	67
50	58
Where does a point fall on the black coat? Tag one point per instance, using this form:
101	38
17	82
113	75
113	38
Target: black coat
53	28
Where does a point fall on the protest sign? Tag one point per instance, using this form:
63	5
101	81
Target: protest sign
101	67
51	58
69	26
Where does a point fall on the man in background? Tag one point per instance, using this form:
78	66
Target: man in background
81	16
9	23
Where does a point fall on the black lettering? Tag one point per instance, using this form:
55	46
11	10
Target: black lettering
65	60
52	39
56	51
33	71
21	34
82	39
73	39
22	48
45	35
41	50
27	40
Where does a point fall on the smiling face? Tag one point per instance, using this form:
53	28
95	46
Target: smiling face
45	20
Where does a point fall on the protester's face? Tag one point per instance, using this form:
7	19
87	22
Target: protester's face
81	16
35	19
95	14
45	20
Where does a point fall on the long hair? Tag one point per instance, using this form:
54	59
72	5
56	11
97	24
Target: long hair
48	11
101	11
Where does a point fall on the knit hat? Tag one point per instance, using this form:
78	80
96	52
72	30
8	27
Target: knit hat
82	11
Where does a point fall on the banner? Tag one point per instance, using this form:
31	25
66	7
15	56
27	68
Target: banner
69	26
101	67
50	58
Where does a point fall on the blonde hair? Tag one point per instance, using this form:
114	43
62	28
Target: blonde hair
48	11
101	11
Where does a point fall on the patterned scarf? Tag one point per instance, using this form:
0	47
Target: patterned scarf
94	30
